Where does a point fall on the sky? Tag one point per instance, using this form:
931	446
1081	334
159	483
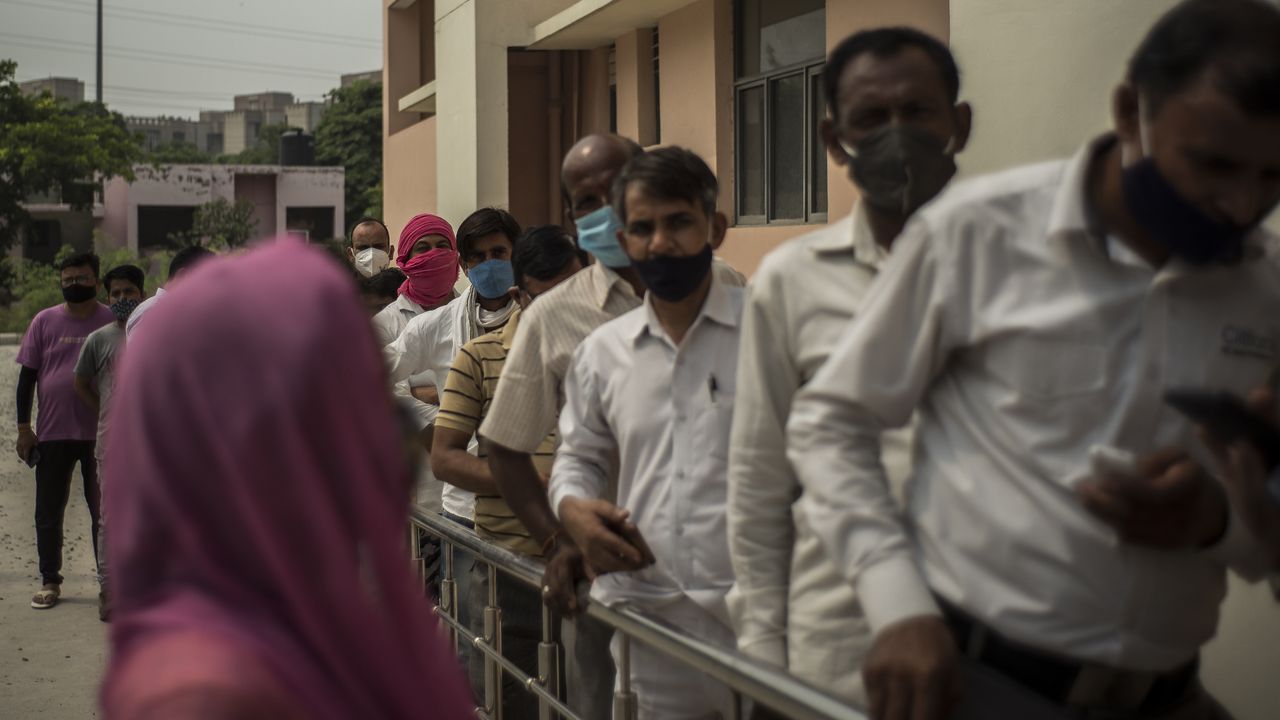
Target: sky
177	57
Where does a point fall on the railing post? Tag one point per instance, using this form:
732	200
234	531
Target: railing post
624	701
548	663
493	636
448	601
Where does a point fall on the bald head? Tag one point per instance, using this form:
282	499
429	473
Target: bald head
589	168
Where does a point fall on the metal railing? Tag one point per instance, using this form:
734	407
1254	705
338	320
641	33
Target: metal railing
780	692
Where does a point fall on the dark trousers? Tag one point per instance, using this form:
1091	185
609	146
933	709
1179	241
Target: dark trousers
58	459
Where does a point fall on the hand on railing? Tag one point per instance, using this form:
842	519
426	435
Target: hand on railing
610	542
564	568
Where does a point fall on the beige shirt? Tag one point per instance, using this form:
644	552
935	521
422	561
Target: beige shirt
530	392
660	413
1023	338
789	599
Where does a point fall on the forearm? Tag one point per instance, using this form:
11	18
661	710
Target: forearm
26	394
520	485
86	393
462	469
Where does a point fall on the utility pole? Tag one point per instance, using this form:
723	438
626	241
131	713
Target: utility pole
99	88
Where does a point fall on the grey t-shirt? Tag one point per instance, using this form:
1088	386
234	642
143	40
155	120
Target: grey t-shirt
97	360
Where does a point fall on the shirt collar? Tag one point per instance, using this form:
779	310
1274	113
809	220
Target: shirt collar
603	281
718	307
405	305
508	331
852	234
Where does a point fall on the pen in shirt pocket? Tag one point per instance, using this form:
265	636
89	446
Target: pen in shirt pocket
712	388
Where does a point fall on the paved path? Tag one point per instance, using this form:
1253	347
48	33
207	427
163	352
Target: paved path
50	660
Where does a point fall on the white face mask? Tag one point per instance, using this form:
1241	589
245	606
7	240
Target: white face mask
371	261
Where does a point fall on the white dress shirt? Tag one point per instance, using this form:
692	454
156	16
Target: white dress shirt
429	343
392	319
143	308
1024	337
790	606
660	414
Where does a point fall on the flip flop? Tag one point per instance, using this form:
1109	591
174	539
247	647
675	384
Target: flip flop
46	598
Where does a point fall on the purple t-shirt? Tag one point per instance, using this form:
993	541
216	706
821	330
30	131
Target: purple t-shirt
51	347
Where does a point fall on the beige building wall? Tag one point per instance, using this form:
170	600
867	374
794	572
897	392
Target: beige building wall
409	181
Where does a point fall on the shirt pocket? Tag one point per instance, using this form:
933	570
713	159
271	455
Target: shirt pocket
1050	368
711	432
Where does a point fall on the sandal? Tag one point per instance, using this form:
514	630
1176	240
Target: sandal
46	598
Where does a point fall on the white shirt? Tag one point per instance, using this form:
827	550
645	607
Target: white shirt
143	308
660	414
392	319
429	342
1024	338
788	595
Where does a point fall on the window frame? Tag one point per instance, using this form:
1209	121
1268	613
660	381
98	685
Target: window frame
807	69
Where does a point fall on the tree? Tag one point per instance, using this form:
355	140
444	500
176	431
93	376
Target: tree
220	225
47	146
266	151
179	153
350	135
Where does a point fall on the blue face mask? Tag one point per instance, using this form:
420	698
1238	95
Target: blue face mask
1169	218
598	235
492	278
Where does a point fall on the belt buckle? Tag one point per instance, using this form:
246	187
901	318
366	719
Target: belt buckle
1099	686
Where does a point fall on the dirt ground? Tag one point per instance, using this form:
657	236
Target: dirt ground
50	660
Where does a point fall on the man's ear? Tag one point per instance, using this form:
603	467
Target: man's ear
351	253
964	124
1125	113
827	128
719	227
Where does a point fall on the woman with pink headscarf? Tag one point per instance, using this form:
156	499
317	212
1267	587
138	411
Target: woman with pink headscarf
258	506
427	253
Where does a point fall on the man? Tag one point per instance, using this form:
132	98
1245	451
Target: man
94	378
65	432
652	394
370	249
427	254
430	341
543	257
381	290
893	110
1033	318
183	262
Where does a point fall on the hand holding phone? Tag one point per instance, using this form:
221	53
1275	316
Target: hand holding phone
1228	419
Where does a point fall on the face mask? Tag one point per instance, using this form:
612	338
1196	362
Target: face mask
674	277
898	169
598	235
371	261
492	278
1168	218
79	293
123	308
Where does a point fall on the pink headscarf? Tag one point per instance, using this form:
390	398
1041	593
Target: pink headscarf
431	275
257	491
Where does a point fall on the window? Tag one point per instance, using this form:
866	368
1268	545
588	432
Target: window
780	161
309	222
158	223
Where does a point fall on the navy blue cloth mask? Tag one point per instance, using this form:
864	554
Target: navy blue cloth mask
1170	219
492	278
598	235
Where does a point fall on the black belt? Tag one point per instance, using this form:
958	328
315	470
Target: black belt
1069	682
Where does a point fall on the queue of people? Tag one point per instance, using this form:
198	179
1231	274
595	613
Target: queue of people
922	461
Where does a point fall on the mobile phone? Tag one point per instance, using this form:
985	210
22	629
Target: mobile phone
1227	418
1109	460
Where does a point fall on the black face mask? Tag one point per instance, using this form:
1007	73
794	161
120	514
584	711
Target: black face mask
1169	219
674	277
78	293
898	169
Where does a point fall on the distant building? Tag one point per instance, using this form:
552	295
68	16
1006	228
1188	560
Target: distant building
211	131
252	112
157	131
373	76
61	88
140	215
305	115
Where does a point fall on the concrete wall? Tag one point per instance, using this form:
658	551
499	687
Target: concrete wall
409	175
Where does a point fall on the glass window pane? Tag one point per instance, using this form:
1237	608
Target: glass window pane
777	33
751	151
817	151
786	147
